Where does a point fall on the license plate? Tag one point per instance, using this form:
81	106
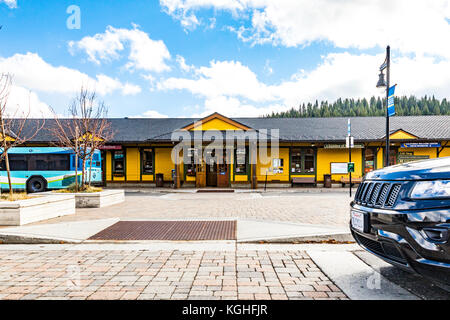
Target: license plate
359	221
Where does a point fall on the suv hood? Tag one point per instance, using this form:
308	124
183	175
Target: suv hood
418	170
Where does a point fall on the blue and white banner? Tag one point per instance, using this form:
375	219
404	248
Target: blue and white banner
390	104
421	145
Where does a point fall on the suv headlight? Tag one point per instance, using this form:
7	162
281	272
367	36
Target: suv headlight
431	189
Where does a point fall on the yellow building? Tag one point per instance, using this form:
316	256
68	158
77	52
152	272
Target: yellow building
300	150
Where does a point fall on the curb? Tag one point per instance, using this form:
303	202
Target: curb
15	239
324	238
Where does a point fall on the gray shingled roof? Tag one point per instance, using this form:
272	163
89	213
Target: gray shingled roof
290	129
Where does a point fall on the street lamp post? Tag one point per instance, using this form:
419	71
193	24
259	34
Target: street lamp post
385	86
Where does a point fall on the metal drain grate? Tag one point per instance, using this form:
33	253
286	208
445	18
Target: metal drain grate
168	230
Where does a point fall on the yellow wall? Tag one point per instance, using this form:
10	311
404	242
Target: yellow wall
431	152
133	164
445	152
326	156
261	168
108	166
380	158
401	135
163	162
216	124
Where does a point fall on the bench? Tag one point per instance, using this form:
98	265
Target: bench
346	180
304	180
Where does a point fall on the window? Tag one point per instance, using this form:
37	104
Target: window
118	158
303	161
309	166
147	161
278	165
48	162
18	162
369	160
189	162
296	161
38	162
241	165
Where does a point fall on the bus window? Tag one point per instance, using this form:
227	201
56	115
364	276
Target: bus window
18	162
48	162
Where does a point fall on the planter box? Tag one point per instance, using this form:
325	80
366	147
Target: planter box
96	199
43	207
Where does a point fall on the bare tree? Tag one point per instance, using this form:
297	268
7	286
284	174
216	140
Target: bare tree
85	131
15	127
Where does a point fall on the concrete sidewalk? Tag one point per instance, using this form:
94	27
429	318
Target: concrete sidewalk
247	231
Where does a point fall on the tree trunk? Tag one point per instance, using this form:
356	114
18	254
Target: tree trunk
5	151
90	168
76	172
83	167
8	172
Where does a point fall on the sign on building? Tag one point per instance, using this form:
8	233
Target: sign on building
421	145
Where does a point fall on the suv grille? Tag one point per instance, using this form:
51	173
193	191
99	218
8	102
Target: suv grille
384	249
378	194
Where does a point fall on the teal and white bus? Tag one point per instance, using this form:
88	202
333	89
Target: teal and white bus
36	169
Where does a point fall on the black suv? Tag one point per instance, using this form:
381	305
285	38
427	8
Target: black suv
402	214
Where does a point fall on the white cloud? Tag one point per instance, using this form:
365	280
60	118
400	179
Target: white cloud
411	26
145	53
233	107
221	78
12	4
22	102
182	63
152	114
233	89
31	71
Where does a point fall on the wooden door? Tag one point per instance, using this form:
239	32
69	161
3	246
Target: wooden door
223	175
200	175
211	174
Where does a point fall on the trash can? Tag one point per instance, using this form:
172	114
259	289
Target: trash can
159	180
327	180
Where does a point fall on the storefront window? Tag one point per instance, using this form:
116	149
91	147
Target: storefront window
309	166
118	162
296	161
241	156
302	161
369	160
189	161
147	161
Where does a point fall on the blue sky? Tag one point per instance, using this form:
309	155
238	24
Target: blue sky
238	57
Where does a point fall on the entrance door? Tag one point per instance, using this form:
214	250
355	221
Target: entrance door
393	153
211	173
200	179
222	173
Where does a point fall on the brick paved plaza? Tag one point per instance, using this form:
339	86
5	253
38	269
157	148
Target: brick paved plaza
326	208
143	274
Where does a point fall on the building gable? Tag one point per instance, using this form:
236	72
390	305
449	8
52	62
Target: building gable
216	121
402	135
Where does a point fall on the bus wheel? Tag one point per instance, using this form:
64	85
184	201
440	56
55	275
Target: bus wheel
35	184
